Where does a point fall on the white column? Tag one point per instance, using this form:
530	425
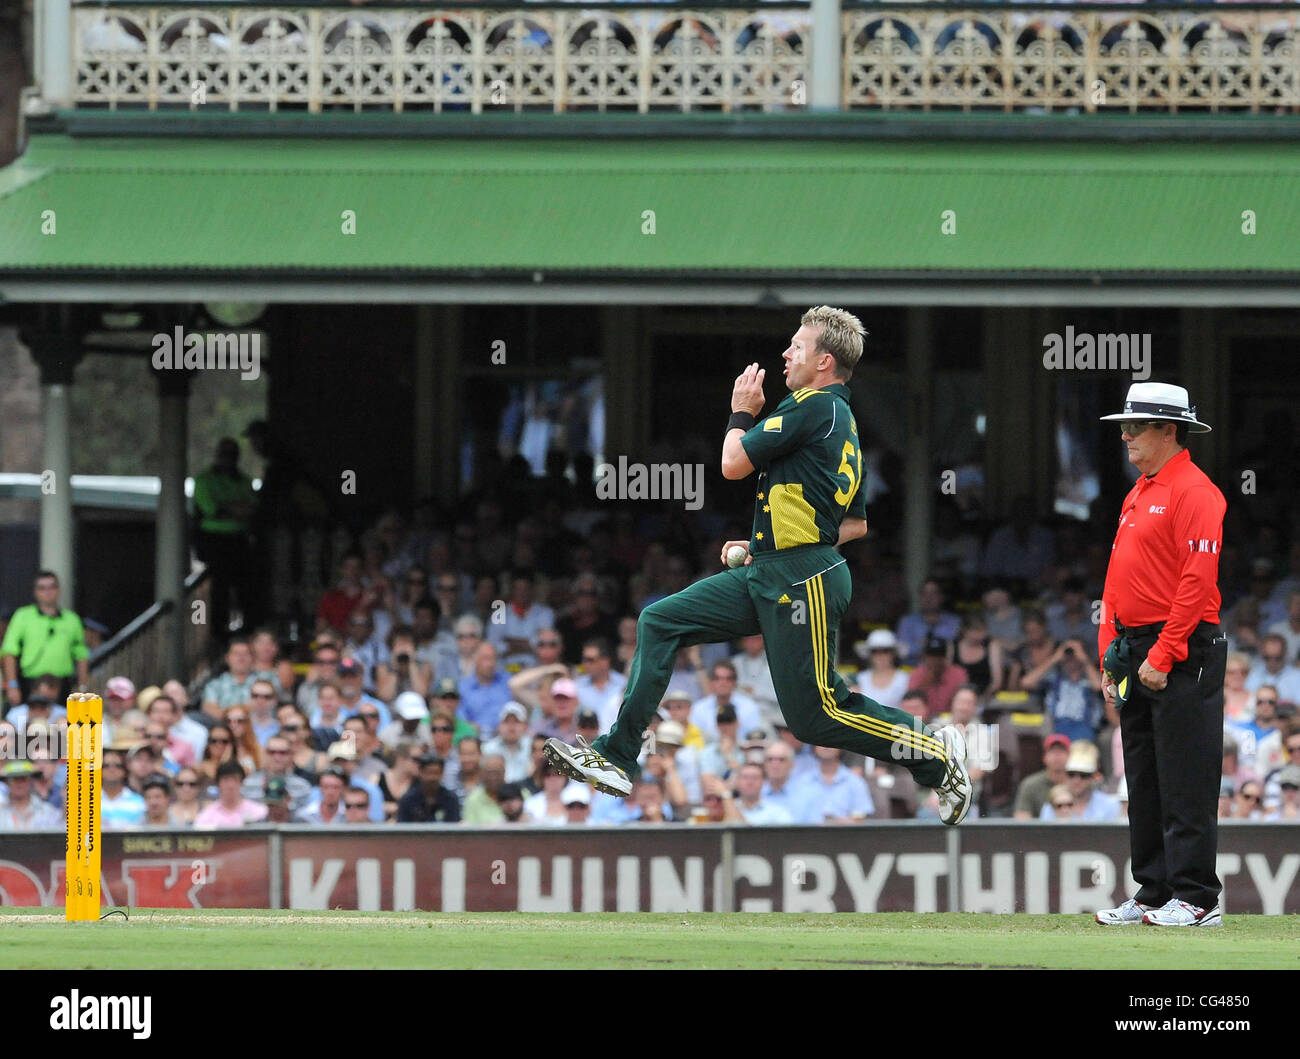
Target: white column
827	55
56	489
55	70
919	482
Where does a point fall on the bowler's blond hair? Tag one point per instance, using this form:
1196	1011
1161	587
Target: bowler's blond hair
841	336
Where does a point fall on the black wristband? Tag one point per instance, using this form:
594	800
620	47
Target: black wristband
743	420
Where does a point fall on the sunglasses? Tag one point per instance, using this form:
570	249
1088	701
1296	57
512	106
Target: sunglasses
293	727
1293	748
548	643
1250	797
1080	775
216	742
442	728
368	716
357	805
186	783
1062	805
261	695
1266	702
1134	427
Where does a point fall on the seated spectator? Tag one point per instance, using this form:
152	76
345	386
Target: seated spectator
547	805
883	681
1071	688
780	789
1259	740
445	731
356	807
1289	629
833	794
936	678
980	656
680	762
326	721
1238	700
1227	792
23	811
398	777
511	742
584	621
677	705
248	752
981	740
524	619
343	758
588	725
649	804
1242	625
308	762
1060	803
928	622
232	686
325	666
1272	668
262	703
1288	806
1034	790
469	754
232	808
1249	802
484	691
1035	648
1002	618
220	749
163	709
914	702
717	804
188	787
411	715
142	761
425	615
600	688
562	722
269	663
360	731
1071	618
457	661
689	674
278	765
577	805
326	809
534	782
511	800
532	687
38	707
724	756
754	677
1290	733
157	794
481	807
119	697
50	782
1082	777
401	670
428	801
722	684
750	803
348	593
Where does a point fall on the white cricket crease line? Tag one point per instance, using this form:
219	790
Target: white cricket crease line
819	573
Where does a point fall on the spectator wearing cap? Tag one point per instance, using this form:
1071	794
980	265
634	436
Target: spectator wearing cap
1287	806
724	755
232	808
524	619
681	762
512	742
547	805
677	705
326	810
1071	690
562	720
23	811
428	801
481	807
402	670
278	764
722	685
754	677
186	739
1091	804
884	680
928	622
157	794
233	686
142	761
577	805
343	758
937	678
484	691
750	778
1290	733
446	699
833	794
119	698
43	637
1259	740
410	722
600	688
511	800
1033	791
1273	668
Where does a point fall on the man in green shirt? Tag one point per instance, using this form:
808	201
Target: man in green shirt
43	638
788	582
483	804
224	502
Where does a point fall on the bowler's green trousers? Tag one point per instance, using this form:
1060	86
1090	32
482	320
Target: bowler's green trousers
795	597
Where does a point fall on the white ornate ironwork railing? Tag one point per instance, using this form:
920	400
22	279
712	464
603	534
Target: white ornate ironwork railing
654	57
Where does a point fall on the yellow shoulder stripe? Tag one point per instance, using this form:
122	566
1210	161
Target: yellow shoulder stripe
802	395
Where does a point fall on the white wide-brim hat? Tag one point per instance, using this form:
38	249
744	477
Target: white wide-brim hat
1160	400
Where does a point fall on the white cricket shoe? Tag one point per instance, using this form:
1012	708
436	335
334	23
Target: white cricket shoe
583	764
1181	914
955	791
1128	914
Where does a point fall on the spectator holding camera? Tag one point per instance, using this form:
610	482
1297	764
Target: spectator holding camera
1071	690
402	671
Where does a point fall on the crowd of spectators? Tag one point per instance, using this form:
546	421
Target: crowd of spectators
443	655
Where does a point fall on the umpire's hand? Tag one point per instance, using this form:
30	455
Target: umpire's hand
747	394
1151	677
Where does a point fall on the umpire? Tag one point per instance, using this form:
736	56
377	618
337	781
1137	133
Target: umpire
1163	660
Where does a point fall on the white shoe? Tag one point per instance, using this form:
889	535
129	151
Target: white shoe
955	791
1181	914
1128	914
583	764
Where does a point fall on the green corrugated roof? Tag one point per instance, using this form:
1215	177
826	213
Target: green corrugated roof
722	207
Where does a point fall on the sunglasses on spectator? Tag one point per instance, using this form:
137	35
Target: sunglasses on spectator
277	751
357	805
163	736
213	740
1081	775
1293	748
442	728
1261	701
186	783
292	727
261	694
548	643
368	716
1250	797
1062	805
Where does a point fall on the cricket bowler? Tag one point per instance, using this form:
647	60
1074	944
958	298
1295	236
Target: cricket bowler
792	587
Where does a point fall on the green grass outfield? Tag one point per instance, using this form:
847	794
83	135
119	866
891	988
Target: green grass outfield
178	939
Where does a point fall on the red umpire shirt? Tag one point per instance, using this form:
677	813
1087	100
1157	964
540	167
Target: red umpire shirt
1164	564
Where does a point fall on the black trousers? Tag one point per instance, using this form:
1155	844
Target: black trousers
1173	761
232	568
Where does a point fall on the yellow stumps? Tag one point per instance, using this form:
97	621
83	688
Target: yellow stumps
82	853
